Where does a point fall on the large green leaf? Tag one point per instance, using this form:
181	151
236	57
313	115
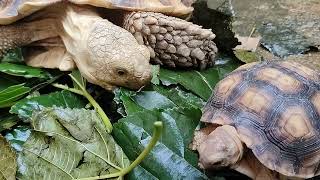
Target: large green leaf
23	70
200	83
12	94
68	144
161	163
25	107
8	163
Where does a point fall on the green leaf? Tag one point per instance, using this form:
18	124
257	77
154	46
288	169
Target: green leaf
25	107
159	97
78	77
7	120
69	144
155	73
8	163
13	56
180	97
200	83
161	163
11	94
247	56
7	81
23	70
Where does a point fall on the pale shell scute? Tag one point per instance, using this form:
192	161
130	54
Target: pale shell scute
13	10
275	107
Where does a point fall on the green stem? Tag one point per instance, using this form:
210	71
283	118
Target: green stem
100	111
155	137
67	88
93	102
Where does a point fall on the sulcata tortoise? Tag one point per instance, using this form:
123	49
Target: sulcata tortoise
74	33
264	121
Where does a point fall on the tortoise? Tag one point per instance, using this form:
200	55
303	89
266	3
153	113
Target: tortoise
74	33
264	121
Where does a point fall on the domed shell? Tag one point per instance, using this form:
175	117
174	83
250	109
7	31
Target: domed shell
275	107
13	10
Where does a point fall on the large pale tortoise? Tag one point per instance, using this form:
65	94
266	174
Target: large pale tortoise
73	34
273	110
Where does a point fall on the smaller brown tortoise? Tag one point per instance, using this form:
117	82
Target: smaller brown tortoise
264	121
110	41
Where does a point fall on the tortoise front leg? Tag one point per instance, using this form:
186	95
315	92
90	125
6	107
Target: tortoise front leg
21	34
172	41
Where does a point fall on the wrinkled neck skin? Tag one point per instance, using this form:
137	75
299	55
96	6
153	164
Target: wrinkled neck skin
75	26
105	54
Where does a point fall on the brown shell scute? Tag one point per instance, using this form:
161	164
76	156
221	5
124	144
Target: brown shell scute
13	10
276	111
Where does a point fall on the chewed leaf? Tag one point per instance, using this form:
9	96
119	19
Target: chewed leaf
8	163
68	144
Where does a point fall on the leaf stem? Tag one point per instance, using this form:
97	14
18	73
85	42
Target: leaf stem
94	103
155	137
65	87
100	111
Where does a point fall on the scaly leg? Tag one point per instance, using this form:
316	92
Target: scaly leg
172	41
20	34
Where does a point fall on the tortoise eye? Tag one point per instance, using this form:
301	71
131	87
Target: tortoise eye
121	72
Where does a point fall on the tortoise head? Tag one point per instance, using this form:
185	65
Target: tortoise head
115	58
222	148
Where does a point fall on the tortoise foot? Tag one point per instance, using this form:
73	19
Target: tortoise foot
172	42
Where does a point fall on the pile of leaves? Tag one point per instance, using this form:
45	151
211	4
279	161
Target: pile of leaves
56	133
51	127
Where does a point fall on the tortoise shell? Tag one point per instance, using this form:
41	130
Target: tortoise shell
275	107
13	10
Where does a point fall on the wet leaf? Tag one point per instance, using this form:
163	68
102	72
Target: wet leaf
25	107
8	163
68	144
11	94
23	70
161	163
